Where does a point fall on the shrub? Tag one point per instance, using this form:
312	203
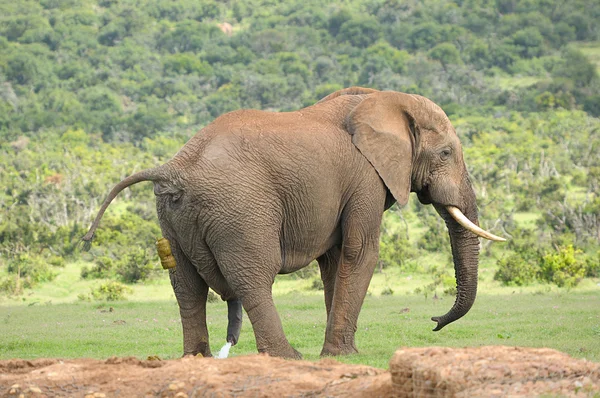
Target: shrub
515	270
109	291
563	267
317	284
30	270
436	238
592	267
440	278
10	285
102	268
394	250
527	243
394	246
213	297
136	266
387	292
57	261
307	272
450	291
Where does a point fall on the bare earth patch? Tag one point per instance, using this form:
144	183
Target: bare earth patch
424	372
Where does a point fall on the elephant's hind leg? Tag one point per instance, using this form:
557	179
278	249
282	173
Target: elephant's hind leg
191	292
268	330
328	264
250	263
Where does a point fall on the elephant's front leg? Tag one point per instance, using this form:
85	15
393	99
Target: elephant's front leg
191	292
357	262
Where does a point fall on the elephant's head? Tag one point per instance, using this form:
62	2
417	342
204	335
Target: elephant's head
411	143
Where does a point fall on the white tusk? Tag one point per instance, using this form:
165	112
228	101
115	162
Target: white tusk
468	224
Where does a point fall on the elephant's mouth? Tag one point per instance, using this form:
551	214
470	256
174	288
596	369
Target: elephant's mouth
424	196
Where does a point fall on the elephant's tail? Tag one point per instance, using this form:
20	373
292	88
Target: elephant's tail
154	174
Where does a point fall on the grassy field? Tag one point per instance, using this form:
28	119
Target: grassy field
52	323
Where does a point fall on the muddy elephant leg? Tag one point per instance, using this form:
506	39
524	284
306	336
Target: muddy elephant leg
191	292
234	317
360	247
328	264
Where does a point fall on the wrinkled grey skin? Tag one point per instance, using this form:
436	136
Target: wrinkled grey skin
256	194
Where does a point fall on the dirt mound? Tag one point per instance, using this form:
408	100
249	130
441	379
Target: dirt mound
424	372
248	376
493	371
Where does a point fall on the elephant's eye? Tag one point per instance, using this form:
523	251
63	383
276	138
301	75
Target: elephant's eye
445	154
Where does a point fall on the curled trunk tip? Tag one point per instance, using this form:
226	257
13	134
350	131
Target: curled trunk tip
440	324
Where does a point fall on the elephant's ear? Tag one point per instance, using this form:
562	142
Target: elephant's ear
355	90
383	131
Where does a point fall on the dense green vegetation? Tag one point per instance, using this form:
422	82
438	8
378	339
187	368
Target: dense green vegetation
93	90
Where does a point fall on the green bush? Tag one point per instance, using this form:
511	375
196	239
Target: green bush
435	239
136	265
11	285
440	278
213	297
592	266
387	291
563	267
394	250
308	272
103	268
515	270
317	284
109	291
57	261
31	269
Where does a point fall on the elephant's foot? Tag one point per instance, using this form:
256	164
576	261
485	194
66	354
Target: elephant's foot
201	348
287	353
330	350
339	342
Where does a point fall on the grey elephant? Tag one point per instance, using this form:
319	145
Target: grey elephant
255	194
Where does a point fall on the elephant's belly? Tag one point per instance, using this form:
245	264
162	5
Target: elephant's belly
300	251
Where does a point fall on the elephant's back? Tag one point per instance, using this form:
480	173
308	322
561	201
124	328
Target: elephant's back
288	174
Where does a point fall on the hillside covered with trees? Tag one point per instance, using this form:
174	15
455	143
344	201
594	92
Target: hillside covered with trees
93	90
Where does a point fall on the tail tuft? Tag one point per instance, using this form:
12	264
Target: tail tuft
86	243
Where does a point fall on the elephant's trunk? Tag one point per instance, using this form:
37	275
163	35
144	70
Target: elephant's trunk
465	253
154	174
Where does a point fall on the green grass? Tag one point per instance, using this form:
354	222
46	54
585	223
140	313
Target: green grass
513	82
526	219
537	316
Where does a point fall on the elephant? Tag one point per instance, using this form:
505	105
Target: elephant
255	194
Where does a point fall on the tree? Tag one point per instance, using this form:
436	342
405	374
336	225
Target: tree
446	53
575	66
529	42
360	31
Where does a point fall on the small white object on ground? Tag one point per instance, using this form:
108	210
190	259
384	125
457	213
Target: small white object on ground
224	351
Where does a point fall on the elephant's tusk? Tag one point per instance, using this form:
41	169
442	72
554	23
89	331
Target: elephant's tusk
468	224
